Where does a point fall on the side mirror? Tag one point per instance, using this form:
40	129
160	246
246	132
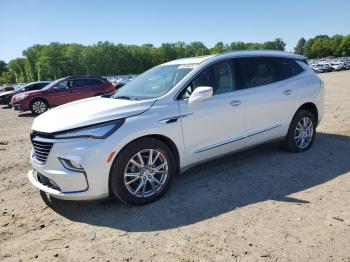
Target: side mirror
201	93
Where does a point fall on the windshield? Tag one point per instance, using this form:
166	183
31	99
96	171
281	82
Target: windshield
154	82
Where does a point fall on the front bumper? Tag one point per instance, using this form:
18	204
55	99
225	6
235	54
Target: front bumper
33	178
89	184
18	107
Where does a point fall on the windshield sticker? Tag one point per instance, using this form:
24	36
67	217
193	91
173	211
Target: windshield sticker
190	66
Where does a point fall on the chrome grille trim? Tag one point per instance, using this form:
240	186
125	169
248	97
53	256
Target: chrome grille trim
41	149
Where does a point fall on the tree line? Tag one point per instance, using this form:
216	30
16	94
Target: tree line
55	60
48	62
324	46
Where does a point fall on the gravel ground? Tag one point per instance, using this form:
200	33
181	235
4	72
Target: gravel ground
264	204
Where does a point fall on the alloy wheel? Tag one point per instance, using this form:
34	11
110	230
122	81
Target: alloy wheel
39	107
304	132
146	173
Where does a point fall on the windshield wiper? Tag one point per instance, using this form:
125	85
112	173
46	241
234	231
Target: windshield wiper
126	97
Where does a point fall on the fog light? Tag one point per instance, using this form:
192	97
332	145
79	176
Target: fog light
71	164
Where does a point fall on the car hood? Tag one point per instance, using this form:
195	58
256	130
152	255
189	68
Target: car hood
3	94
30	93
87	112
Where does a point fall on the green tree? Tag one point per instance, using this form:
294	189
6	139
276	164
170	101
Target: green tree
335	43
18	68
277	44
3	67
299	48
345	46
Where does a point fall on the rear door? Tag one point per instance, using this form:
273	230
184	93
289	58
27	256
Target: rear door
84	88
79	89
270	98
96	86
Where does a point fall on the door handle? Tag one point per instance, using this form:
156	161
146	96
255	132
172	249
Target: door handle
287	92
235	103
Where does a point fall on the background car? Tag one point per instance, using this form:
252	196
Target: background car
61	91
5	88
120	80
5	98
330	64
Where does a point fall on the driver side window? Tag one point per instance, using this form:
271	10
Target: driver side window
220	76
62	85
205	78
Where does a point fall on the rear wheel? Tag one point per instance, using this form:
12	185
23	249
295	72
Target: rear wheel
38	106
301	133
142	172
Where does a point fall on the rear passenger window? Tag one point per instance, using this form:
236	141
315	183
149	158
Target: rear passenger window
78	83
257	71
220	76
93	82
288	68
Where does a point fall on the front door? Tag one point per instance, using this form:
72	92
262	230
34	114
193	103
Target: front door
215	126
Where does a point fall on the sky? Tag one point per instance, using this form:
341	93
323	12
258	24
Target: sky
24	23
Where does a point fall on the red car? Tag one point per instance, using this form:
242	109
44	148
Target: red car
61	91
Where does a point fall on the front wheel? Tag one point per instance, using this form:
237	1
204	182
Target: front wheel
301	133
142	172
38	106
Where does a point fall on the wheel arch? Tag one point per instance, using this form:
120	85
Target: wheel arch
166	140
311	107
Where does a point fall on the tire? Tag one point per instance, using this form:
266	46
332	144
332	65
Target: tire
38	106
136	188
8	102
302	126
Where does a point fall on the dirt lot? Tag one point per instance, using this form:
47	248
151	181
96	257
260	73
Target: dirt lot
260	205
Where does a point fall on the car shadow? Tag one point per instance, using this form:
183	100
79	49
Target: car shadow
220	186
6	107
26	115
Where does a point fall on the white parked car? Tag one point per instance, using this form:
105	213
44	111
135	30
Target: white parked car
133	143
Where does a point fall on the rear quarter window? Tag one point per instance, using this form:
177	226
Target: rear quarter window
287	68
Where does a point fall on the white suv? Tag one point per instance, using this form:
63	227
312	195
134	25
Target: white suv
133	143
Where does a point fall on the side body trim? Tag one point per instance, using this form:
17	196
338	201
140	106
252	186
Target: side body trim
234	139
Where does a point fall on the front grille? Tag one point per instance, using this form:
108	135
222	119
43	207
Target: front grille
41	149
47	182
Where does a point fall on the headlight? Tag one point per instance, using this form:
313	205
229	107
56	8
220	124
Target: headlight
98	131
20	97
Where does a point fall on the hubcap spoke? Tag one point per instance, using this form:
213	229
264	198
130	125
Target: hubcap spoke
140	158
156	169
139	187
133	180
150	157
156	180
135	163
132	174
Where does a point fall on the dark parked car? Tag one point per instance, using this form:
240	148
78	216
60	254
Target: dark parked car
5	88
61	91
5	98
